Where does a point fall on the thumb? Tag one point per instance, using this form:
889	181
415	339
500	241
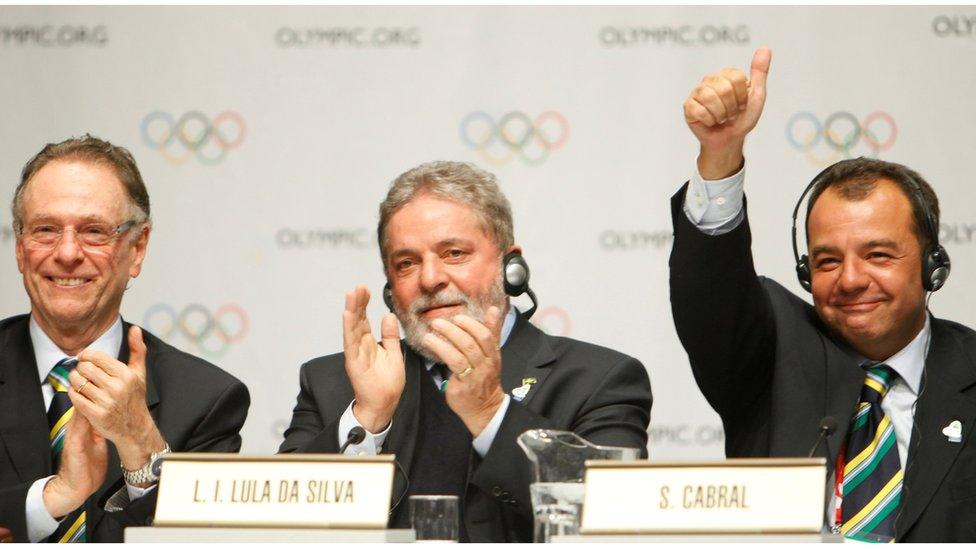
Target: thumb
493	320
137	351
760	68
390	335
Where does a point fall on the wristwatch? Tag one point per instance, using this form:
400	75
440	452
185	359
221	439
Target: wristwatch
148	473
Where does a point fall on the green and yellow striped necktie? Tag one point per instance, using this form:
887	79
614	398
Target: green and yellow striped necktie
72	527
872	472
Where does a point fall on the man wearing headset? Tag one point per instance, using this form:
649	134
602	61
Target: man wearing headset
865	377
474	374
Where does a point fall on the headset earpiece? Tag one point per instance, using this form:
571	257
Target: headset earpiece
935	268
515	273
388	296
803	272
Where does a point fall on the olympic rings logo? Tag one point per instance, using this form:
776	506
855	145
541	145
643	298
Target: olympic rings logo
554	321
210	334
841	135
193	134
515	134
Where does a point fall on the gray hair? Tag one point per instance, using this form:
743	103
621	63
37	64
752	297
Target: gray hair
458	181
96	151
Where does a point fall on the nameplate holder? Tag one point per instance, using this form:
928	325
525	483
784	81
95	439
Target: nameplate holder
726	497
289	490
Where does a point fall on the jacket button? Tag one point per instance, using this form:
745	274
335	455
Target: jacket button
497	491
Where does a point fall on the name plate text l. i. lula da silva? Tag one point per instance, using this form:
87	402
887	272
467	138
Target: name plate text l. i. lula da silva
292	490
732	496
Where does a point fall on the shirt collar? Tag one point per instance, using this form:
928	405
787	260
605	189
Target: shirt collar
507	326
909	363
47	353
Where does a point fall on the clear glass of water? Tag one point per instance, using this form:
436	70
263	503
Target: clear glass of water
556	506
435	518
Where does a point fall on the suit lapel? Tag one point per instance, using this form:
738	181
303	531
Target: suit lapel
948	372
23	416
526	346
402	440
845	377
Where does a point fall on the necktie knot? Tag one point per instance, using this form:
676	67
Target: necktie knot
877	381
58	376
442	371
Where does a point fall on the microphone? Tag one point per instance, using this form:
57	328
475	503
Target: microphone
356	435
827	427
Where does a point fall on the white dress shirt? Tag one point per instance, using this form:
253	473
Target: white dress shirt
373	443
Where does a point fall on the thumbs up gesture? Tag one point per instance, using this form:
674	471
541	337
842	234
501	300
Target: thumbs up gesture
112	396
722	110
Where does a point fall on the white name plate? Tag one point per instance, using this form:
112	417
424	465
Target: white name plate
733	496
295	490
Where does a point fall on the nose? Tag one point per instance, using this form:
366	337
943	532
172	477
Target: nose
433	277
68	249
853	276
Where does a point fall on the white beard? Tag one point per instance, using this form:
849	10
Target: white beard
415	327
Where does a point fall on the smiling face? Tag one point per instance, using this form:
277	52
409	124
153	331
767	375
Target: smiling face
75	290
440	263
865	260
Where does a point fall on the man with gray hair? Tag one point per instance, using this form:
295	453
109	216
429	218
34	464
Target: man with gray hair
473	375
88	402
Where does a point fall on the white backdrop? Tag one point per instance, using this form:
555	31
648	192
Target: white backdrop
265	222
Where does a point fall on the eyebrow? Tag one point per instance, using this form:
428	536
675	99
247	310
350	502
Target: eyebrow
89	218
877	243
442	244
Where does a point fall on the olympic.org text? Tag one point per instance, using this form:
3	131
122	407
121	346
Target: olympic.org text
358	37
685	35
53	36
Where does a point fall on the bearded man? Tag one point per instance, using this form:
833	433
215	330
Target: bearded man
473	373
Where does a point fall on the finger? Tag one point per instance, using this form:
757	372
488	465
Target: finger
726	93
462	341
696	113
103	361
390	334
94	393
493	320
86	372
446	352
137	352
710	100
354	321
483	334
740	87
760	69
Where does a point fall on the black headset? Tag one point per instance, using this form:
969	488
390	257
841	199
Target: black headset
515	275
935	259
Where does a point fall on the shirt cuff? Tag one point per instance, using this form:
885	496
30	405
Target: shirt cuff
715	207
40	523
371	445
482	442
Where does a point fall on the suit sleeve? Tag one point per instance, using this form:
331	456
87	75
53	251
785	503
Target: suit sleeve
616	413
12	509
307	431
218	431
722	315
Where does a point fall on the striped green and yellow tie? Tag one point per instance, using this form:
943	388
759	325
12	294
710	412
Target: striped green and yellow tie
872	472
72	527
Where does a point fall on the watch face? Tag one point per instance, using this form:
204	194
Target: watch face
157	466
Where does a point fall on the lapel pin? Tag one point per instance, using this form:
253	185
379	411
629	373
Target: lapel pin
519	393
953	431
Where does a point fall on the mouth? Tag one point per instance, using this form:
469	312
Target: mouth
439	310
64	282
862	306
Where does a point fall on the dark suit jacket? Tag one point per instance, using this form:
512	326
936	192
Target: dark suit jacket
197	408
771	369
602	395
